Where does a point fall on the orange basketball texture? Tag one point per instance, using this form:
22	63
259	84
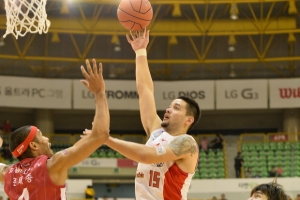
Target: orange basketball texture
135	14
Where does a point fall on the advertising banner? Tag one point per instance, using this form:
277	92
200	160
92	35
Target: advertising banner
35	92
284	93
122	95
241	94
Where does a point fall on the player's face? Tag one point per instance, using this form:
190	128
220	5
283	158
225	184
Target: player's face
258	195
175	115
44	144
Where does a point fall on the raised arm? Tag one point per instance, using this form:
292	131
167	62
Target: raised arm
63	160
144	83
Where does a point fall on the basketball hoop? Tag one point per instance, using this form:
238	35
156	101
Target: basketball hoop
24	16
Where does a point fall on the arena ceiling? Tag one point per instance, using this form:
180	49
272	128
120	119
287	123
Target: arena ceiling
190	40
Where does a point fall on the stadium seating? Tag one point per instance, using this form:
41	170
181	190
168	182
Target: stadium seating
211	165
262	155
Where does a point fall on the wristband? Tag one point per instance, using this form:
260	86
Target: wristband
141	52
160	149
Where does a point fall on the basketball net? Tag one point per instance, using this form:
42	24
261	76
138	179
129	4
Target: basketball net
24	16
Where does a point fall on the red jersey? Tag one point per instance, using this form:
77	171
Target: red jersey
29	180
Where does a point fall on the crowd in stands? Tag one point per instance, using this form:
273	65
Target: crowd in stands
215	144
222	197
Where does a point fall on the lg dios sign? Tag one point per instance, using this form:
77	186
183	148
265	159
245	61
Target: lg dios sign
110	94
192	94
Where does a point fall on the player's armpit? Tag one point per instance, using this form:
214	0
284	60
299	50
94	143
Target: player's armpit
184	145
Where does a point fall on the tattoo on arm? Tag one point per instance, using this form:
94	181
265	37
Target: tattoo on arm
183	145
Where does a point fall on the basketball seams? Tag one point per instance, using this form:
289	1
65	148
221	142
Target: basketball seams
134	23
141	3
131	5
134	16
139	12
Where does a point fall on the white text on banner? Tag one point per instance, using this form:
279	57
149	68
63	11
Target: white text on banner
201	91
241	94
284	93
35	92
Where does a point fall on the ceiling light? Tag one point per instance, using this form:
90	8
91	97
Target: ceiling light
64	8
112	73
234	11
173	40
292	7
117	47
55	37
291	38
2	43
231	48
176	10
232	73
231	43
115	40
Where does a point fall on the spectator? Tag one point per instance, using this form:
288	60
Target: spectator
214	198
273	172
90	192
105	198
6	127
279	170
217	143
298	197
204	144
223	197
249	173
257	175
238	163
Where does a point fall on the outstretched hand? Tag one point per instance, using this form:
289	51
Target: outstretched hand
138	40
94	79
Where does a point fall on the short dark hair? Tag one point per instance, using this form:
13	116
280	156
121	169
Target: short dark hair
16	138
192	109
272	190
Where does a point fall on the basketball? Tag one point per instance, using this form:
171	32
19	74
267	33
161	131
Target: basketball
135	15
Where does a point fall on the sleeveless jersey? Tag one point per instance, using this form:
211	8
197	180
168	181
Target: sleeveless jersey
29	180
161	181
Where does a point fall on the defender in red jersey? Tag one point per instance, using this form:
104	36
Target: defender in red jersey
40	175
168	161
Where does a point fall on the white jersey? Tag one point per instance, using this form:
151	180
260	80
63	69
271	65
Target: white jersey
161	181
